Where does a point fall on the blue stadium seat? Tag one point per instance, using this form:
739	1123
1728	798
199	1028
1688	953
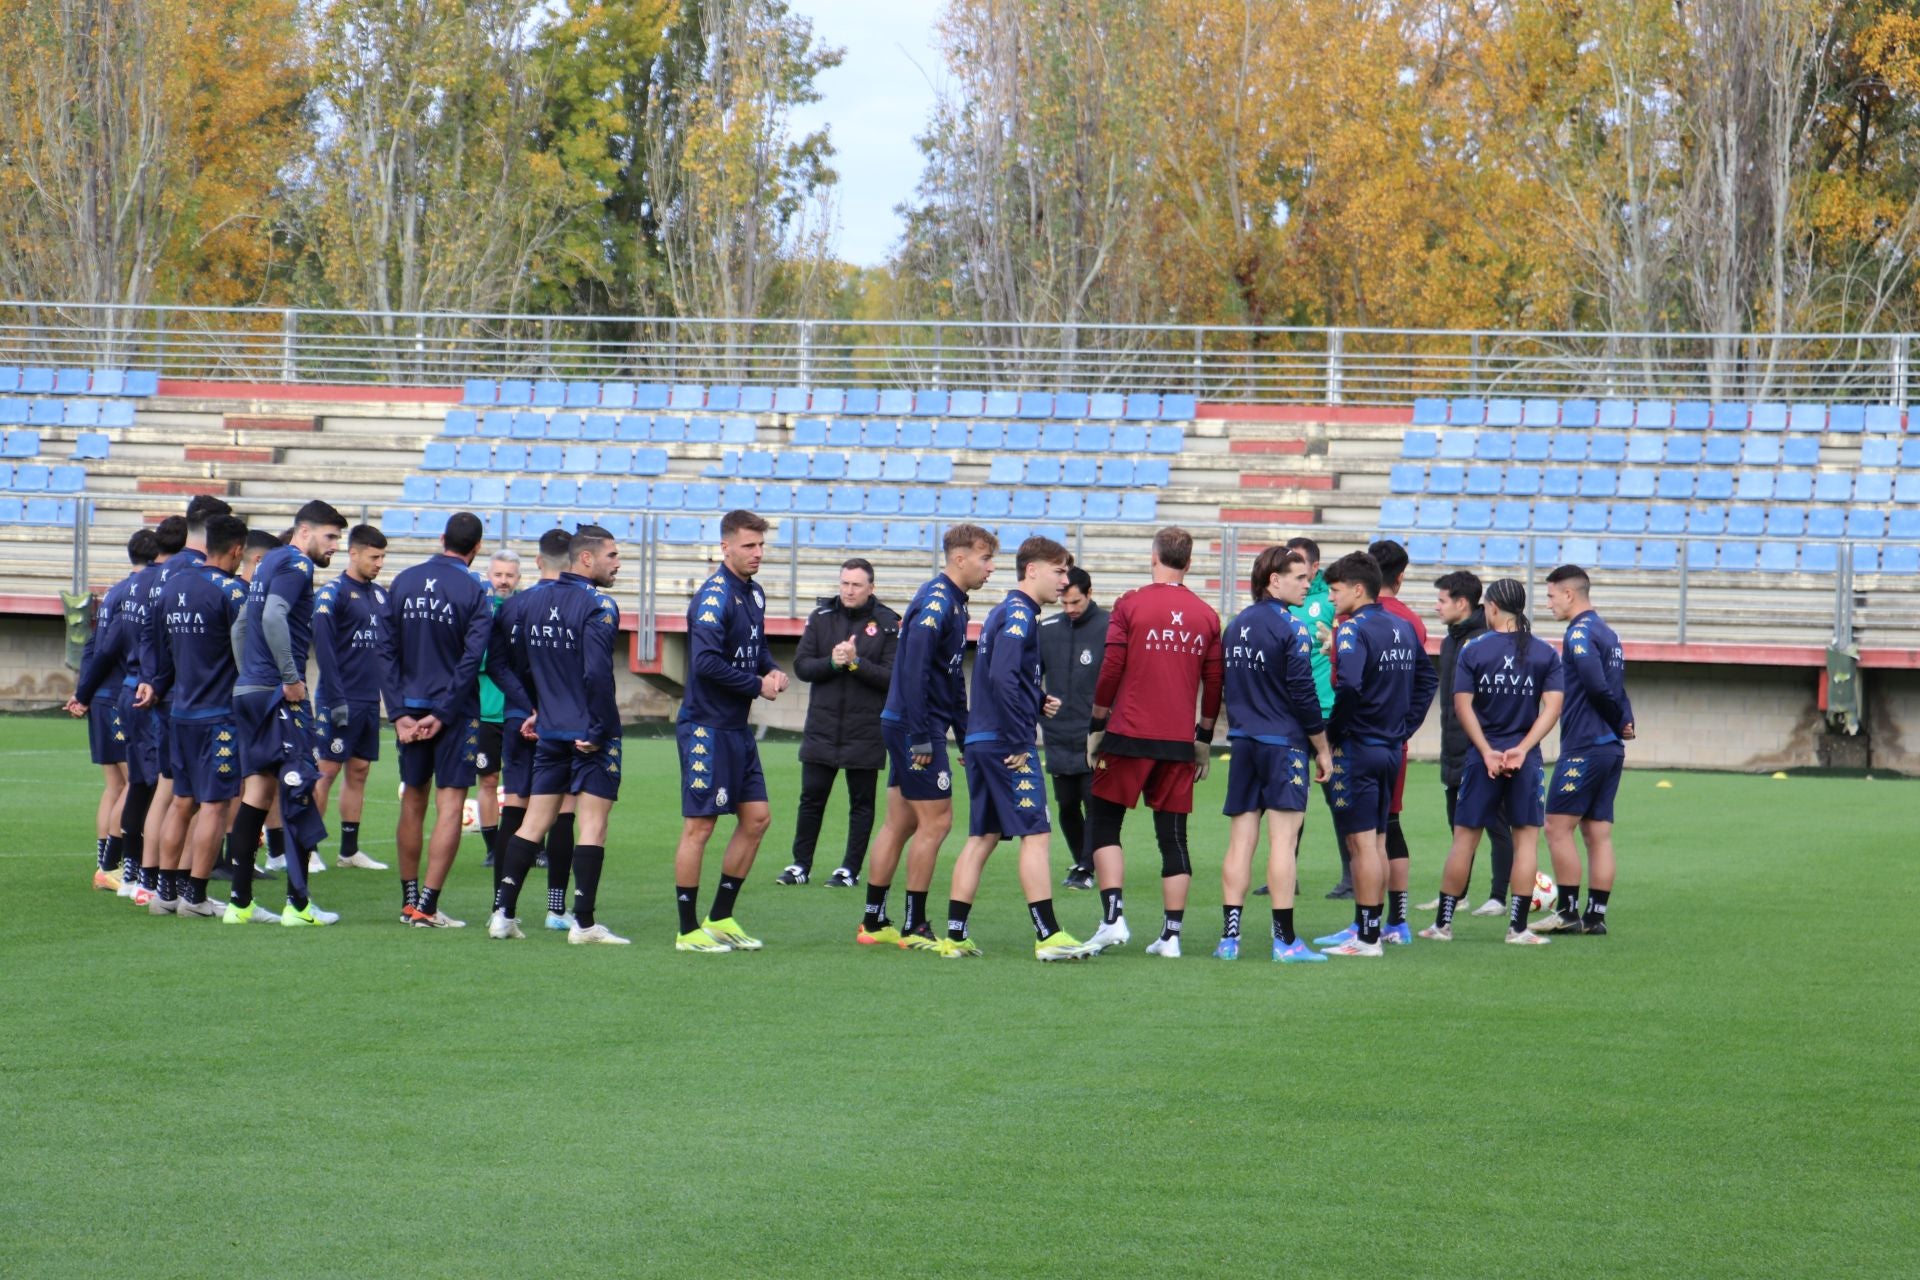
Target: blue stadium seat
1473	513
865	534
965	404
1138	506
1778	557
496	424
929	403
1540	413
1406	479
810	433
141	383
917	433
1513	517
417	489
1029	504
1071	404
831	533
46	413
1589	517
397	522
634	495
828	466
686	395
1035	404
1446	478
1483	481
842	433
861	401
899	467
1725	451
919	502
880	433
1560	482
1627	517
1179	408
1767	417
1659	555
1502	549
1117	473
506	457
1866	558
1646	447
616	460
480	391
1551	517
738	430
652	396
1656	414
1580	550
1819	557
1495	446
681	530
1732	415
1532	446
950	433
562	492
1709	522
1057	437
1826	522
1847	419
36	381
452	489
999	404
791	400
1616	553
599	426
21	444
702	496
1429	412
1460	548
1674	483
1636	482
82	413
863	466
1093	438
580	459
544	457
478	456
1569	446
1666	519
1873	487
1065	504
790	466
1833	486
1043	471
488	491
71	382
88	446
460	422
1023	437
564	426
1692	415
1079	472
1755	486
1458	446
895	402
984	436
1683	451
1129	439
883	501
907	537
1579	413
1152	473
754	400
583	395
1504	413
1100	506
1883	418
1746	522
1615	413
1434	513
703	430
1420	444
1784	522
850	499
617	395
1760	451
528	425
1879	453
1904	524
1426	548
439	456
1703	555
1467	411
1713	485
1807	417
776	497
1609	448
1142	406
1396	513
549	394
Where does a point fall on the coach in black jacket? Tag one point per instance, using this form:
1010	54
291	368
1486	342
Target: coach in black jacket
1460	610
1072	644
846	654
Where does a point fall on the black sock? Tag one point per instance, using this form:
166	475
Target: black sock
276	842
429	899
511	868
150	878
1597	903
196	890
1283	926
1396	906
1518	906
165	886
1111	908
349	839
915	920
957	913
1566	899
875	915
296	875
490	841
1370	922
587	861
1044	925
1444	916
100	852
1230	914
560	844
110	860
247	821
686	898
409	893
1171	928
723	896
500	837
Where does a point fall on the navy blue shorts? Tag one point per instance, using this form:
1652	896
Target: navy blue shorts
516	760
1482	799
143	752
160	730
1587	783
1005	802
931	781
1363	778
207	753
450	758
1264	776
106	740
357	739
486	761
263	727
562	769
719	770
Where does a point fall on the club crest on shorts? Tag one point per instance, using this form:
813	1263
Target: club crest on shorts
479	760
339	746
720	797
944	781
291	777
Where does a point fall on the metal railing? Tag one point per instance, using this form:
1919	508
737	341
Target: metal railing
1238	364
1679	605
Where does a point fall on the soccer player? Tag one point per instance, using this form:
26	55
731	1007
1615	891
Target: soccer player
273	719
1073	644
1507	691
1273	719
438	621
195	668
145	779
503	575
1392	559
1383	685
569	643
1163	656
1317	612
928	697
1008	794
728	666
1593	735
1458	604
259	542
96	698
507	660
348	614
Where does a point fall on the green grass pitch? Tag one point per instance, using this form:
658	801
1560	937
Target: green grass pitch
1723	1087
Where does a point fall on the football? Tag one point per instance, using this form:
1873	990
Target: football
1543	891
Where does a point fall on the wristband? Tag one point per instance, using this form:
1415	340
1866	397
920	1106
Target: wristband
1098	724
1203	733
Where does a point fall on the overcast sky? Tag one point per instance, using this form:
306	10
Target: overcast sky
877	100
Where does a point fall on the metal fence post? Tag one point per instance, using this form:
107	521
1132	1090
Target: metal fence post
82	520
1680	601
1335	345
1898	398
793	574
806	353
1843	598
289	342
649	591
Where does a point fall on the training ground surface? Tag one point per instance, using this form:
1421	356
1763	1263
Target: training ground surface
1723	1087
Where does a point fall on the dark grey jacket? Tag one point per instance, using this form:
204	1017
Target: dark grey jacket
1070	657
1454	747
843	711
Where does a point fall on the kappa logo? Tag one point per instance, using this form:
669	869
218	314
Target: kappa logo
944	781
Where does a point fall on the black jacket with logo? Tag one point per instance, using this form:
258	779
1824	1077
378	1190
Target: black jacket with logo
1454	747
1070	656
843	711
